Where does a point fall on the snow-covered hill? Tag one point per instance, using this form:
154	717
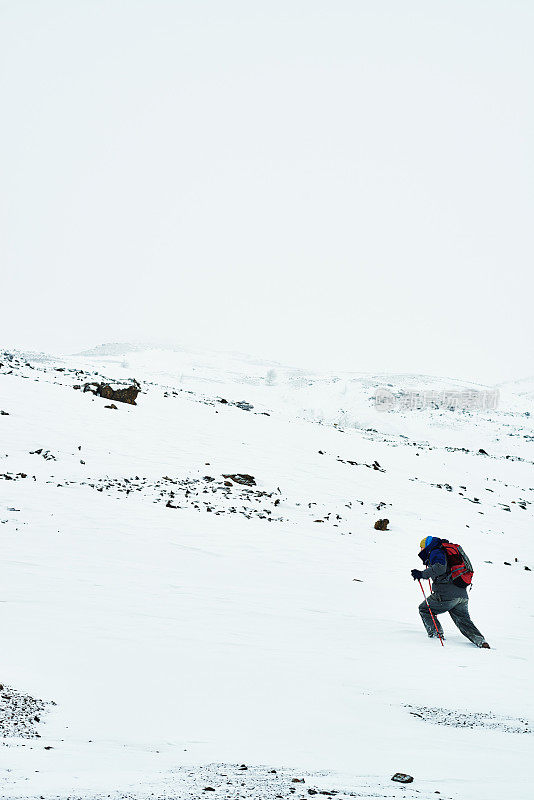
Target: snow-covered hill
185	622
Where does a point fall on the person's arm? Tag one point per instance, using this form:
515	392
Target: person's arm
434	571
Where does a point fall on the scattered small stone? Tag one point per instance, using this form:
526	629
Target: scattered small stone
19	714
112	406
46	454
478	719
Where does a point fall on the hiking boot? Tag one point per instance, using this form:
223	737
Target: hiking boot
485	645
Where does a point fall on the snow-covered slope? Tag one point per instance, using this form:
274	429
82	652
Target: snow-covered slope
181	619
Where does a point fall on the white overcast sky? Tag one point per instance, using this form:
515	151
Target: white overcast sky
346	184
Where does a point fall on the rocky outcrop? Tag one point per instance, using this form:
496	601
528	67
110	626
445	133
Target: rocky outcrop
401	777
381	525
245	480
126	395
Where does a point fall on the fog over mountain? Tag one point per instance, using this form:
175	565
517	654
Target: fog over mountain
341	186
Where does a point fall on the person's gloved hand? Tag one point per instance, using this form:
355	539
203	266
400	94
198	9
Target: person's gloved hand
417	574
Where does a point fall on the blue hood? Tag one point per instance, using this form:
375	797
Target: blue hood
433	553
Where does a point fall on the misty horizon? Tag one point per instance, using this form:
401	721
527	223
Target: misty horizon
342	187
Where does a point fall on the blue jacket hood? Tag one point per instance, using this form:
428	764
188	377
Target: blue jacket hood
433	552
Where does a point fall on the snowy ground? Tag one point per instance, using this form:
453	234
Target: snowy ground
184	627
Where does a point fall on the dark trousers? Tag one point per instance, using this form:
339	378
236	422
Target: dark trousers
458	609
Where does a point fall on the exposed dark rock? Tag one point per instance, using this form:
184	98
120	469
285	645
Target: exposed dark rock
400	777
112	406
126	395
381	525
19	714
473	719
244	479
46	454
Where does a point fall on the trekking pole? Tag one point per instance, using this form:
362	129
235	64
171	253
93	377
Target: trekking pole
431	614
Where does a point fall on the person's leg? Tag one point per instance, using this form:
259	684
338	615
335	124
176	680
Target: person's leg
462	620
437	607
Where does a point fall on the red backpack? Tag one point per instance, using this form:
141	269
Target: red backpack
459	564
